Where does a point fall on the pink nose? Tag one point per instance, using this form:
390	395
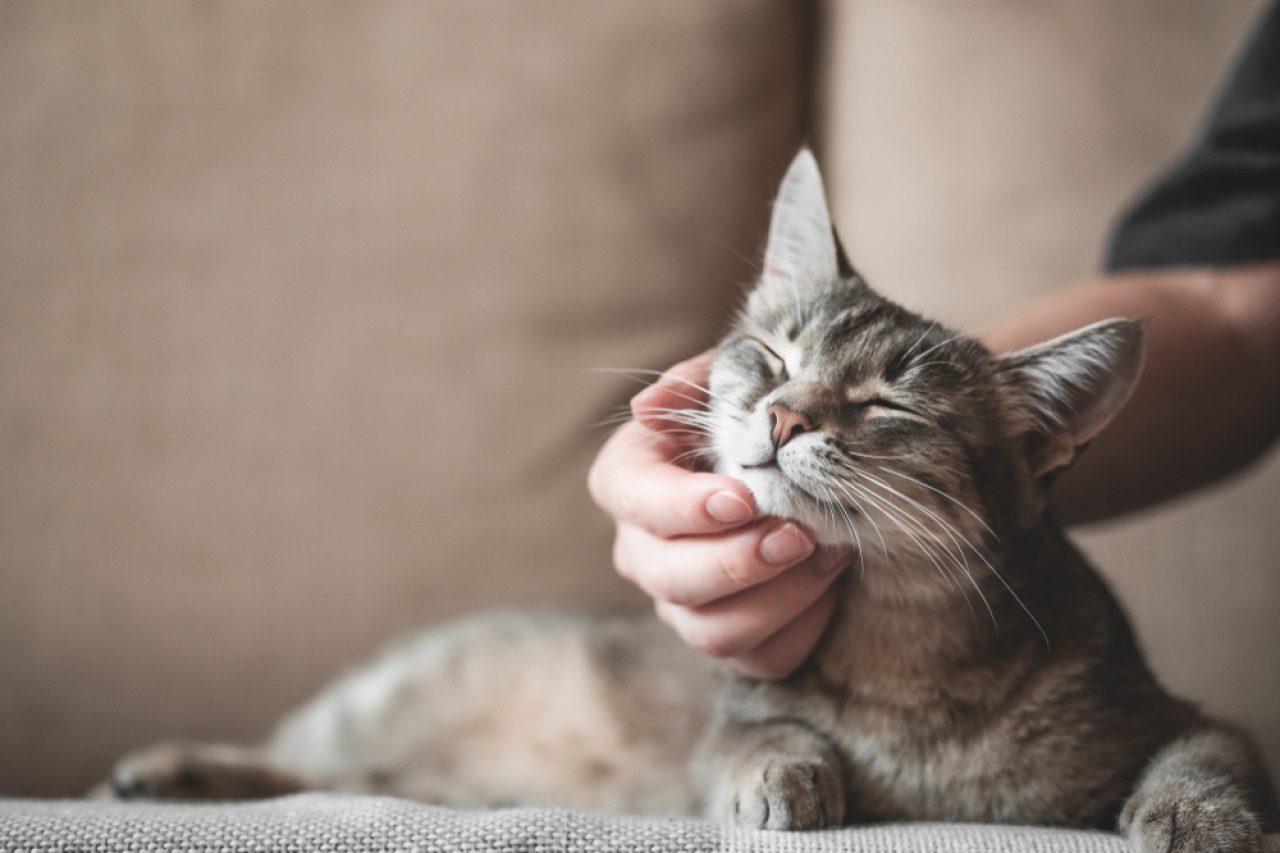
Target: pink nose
787	423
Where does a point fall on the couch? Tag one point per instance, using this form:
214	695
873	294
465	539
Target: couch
300	304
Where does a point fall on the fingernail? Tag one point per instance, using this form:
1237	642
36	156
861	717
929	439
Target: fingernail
727	508
836	560
785	545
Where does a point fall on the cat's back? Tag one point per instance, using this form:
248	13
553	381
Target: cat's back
531	707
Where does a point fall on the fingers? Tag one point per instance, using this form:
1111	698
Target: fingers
753	592
694	571
634	480
682	386
744	626
781	654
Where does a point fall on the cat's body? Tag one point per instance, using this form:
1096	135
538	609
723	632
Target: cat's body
976	669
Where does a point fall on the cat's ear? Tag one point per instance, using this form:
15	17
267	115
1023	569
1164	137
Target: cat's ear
803	250
1072	386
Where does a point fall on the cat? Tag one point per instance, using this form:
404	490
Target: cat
976	669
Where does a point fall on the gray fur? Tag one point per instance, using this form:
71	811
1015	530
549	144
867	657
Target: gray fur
977	667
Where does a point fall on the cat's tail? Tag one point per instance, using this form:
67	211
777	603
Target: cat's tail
1207	790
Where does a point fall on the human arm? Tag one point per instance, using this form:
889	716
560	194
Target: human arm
1208	402
1209	398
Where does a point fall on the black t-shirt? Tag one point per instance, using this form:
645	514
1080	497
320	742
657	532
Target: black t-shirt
1219	204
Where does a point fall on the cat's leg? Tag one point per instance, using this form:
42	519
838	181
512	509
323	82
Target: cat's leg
774	774
187	771
1205	792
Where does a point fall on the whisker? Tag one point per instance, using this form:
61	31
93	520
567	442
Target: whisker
943	494
696	453
957	559
634	373
1017	598
862	455
954	337
891	516
850	526
920	339
751	262
922	365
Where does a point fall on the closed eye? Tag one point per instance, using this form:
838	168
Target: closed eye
780	364
881	403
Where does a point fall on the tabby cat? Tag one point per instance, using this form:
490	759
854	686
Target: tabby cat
977	668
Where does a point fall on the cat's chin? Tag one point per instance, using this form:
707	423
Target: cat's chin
777	495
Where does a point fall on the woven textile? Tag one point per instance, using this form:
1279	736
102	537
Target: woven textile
316	823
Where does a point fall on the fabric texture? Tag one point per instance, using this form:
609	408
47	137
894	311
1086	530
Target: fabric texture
301	306
330	823
1220	203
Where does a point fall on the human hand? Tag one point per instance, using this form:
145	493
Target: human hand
754	591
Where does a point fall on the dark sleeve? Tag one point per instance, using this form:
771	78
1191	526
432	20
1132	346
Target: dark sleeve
1219	204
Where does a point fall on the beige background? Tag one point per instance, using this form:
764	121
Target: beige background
298	302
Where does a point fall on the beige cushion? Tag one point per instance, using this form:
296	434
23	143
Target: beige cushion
297	306
979	152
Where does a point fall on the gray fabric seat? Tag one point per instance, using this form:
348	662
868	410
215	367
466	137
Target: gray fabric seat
324	822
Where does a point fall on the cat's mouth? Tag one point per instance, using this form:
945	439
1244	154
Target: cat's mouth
794	487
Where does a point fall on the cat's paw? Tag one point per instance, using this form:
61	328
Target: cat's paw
1169	823
166	771
789	794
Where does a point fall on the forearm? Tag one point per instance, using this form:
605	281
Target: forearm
1209	399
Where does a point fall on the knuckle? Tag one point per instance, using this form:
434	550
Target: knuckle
622	558
710	642
761	666
594	475
737	572
665	615
625	506
664	586
679	595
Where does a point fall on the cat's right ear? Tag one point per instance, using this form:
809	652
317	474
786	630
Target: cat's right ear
803	252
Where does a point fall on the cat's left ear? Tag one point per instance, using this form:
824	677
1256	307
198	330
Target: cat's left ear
803	251
1072	386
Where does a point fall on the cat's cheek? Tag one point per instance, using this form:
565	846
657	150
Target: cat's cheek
775	497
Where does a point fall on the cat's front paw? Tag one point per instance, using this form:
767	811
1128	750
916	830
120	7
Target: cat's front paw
166	771
789	794
1169	823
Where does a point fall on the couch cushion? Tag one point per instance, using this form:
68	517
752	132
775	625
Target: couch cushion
358	824
297	307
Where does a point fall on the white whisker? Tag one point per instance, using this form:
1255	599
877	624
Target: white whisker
957	558
892	517
941	344
920	339
943	494
1017	598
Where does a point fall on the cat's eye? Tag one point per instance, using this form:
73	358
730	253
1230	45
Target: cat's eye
881	403
776	362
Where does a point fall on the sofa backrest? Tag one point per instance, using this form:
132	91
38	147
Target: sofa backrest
299	305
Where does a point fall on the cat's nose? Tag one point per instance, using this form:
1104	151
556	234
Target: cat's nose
787	423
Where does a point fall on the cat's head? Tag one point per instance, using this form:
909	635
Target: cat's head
867	422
